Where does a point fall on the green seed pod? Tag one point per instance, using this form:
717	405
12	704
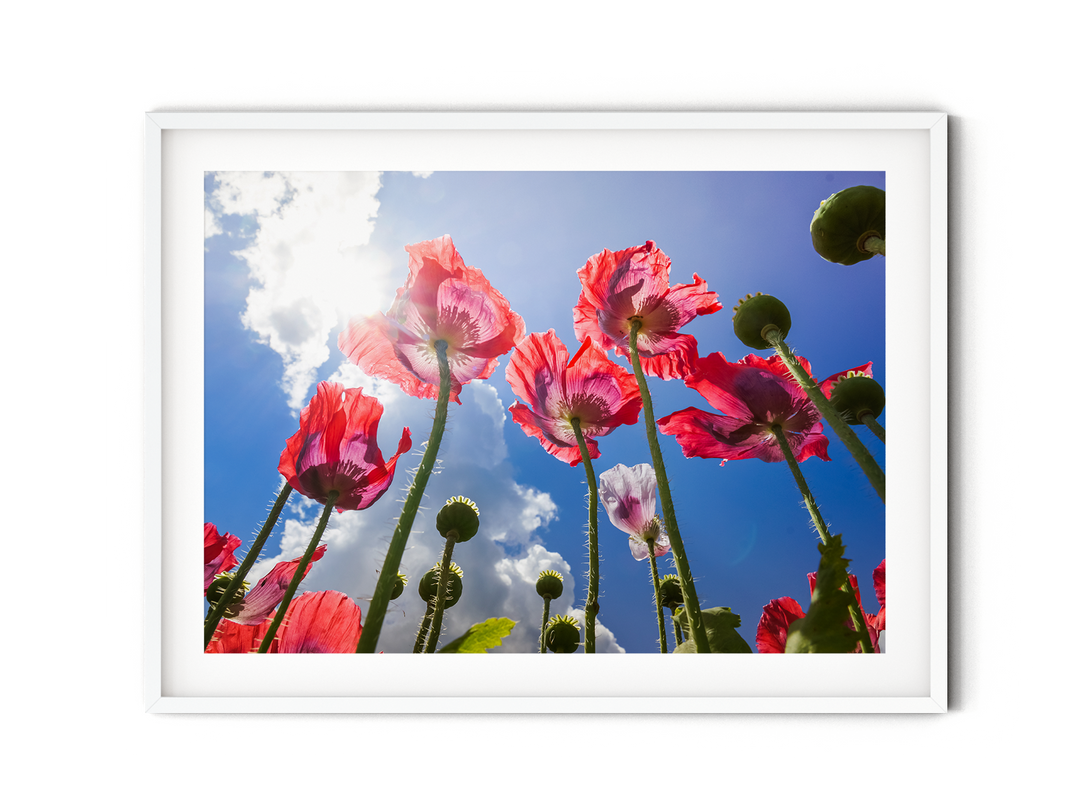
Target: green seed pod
856	395
218	586
549	584
563	634
845	221
429	585
670	592
755	314
399	585
461	516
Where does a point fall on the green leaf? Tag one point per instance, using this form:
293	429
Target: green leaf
825	629
481	637
720	624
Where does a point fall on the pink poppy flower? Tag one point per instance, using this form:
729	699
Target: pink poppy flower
335	449
217	553
267	594
629	498
754	394
443	299
777	616
827	384
321	622
633	283
591	387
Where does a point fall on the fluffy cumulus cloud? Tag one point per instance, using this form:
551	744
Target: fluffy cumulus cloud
310	264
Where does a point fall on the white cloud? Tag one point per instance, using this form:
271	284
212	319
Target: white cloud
310	264
211	225
422	175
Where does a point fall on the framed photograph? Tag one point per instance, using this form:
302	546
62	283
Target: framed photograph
370	334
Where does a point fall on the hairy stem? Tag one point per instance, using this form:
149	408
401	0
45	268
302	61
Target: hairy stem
592	603
843	431
440	598
656	597
854	610
869	420
421	634
678	629
682	564
543	624
383	588
286	600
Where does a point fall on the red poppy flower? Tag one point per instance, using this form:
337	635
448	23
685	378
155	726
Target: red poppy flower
591	386
633	283
879	592
217	553
322	622
267	594
754	394
442	299
335	449
777	616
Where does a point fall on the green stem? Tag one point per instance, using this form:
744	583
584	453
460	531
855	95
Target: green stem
843	431
874	244
218	610
543	624
331	499
440	597
678	630
854	610
678	551
592	603
421	634
381	598
656	597
869	420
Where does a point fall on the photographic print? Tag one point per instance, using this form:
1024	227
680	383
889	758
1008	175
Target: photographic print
544	412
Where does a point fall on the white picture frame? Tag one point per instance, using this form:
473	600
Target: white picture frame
912	147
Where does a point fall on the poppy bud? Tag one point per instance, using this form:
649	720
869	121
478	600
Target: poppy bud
845	221
755	315
856	395
461	516
550	584
400	581
218	586
670	592
429	585
563	634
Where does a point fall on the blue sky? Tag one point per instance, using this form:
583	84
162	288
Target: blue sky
291	256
